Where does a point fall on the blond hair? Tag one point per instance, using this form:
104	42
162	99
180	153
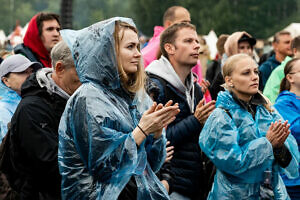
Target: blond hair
131	82
230	65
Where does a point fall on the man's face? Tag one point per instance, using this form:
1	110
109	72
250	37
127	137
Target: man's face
245	47
70	80
283	46
182	15
186	47
50	34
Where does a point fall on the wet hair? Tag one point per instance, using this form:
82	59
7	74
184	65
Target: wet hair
61	52
231	64
43	16
170	13
285	84
295	44
170	34
131	82
280	33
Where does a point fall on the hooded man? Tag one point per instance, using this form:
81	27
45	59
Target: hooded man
238	42
41	36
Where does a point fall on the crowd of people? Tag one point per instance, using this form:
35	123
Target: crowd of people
88	114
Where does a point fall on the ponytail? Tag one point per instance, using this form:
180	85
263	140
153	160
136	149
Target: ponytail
284	85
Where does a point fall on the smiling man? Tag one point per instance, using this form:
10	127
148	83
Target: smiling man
172	79
41	36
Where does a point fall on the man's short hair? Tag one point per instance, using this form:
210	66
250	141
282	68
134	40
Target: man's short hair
170	13
61	52
43	16
280	33
169	35
296	43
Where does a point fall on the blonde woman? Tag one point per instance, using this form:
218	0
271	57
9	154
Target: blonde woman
246	139
110	137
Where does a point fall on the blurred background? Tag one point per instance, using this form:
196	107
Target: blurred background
260	18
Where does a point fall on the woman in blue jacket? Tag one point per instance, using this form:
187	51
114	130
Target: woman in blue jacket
110	137
288	105
14	70
246	140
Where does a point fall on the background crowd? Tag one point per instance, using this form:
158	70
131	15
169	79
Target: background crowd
100	113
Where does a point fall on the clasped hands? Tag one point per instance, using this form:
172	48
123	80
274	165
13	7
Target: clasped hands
277	133
155	119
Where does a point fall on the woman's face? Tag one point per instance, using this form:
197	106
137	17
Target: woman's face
16	79
244	79
130	55
294	76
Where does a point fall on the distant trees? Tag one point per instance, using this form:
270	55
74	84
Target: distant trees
260	18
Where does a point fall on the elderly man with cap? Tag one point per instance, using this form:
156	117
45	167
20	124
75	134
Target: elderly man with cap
14	70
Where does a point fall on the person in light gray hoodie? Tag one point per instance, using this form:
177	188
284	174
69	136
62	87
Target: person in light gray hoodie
171	78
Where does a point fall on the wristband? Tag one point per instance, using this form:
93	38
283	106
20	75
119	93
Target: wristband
142	130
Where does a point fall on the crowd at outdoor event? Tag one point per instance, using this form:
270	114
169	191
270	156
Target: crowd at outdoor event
97	113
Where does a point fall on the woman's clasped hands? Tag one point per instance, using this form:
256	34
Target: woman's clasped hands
155	119
277	133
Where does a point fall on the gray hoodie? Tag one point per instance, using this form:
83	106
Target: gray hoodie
165	70
44	79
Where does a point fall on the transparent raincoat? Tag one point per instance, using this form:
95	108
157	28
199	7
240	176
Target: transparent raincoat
241	152
9	100
97	153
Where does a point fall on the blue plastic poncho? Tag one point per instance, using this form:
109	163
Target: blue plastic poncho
9	100
241	152
97	153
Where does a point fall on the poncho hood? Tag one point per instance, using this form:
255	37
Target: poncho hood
97	65
231	44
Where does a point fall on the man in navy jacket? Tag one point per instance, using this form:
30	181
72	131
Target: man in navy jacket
171	78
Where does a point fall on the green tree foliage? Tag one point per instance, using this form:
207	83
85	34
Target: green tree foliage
149	13
23	11
261	18
89	12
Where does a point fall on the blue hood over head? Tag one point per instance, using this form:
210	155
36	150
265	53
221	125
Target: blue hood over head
94	54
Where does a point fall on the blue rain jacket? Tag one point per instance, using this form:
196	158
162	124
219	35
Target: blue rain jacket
288	105
241	152
97	153
9	100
